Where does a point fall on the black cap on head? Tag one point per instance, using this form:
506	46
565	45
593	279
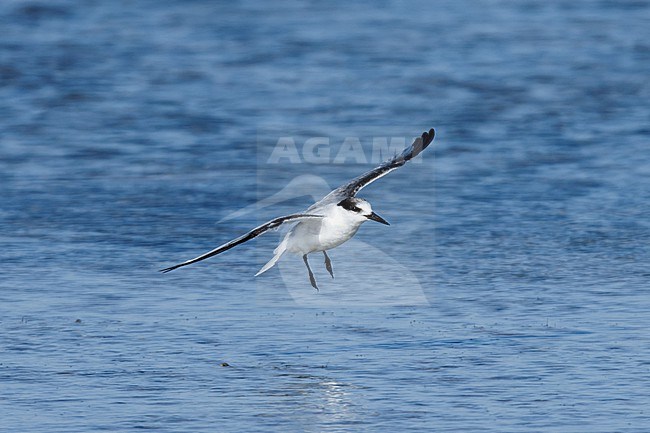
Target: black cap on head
350	204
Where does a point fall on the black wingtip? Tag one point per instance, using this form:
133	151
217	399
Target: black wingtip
171	268
419	145
427	138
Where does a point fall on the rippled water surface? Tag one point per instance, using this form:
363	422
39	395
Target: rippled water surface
509	294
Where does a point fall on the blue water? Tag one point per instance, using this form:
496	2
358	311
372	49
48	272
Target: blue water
519	243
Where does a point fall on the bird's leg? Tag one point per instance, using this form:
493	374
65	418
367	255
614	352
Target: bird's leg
311	274
328	264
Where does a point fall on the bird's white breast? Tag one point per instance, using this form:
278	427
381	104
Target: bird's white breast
336	227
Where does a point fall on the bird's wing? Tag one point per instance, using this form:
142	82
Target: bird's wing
351	188
247	237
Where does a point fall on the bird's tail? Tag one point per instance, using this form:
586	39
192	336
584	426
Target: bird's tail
277	253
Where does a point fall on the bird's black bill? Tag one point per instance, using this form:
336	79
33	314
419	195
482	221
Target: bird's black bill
373	216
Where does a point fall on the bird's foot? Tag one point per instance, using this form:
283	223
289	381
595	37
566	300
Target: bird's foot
312	280
328	264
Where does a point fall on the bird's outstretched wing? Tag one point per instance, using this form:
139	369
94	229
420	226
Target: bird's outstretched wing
247	237
351	188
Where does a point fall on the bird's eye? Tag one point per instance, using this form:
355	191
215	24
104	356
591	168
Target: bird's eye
356	209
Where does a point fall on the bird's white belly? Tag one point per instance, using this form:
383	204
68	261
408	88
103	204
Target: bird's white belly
321	235
333	235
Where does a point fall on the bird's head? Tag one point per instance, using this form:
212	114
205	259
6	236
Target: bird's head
359	208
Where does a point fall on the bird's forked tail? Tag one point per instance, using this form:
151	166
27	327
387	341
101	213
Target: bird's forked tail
277	253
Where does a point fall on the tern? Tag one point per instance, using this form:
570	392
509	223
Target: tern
327	223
